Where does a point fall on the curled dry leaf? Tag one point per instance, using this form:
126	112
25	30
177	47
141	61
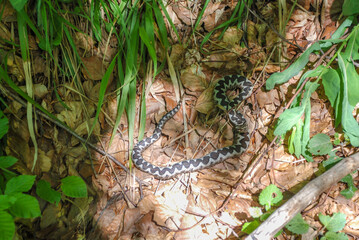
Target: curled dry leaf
177	55
251	34
72	117
93	67
270	68
212	14
185	14
84	41
232	36
193	79
205	103
44	161
171	206
131	217
39	66
83	129
220	60
39	90
192	57
16	68
148	228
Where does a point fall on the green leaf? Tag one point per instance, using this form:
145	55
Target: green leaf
292	70
320	144
7	226
295	143
350	125
25	206
249	227
334	236
18	5
288	119
22	183
44	190
350	7
6	201
334	223
350	191
270	195
331	84
297	225
333	159
7	161
4	125
74	186
103	86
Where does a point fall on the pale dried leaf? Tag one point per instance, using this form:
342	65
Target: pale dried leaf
193	78
205	103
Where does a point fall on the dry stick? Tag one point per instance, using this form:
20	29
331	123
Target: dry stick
61	125
304	197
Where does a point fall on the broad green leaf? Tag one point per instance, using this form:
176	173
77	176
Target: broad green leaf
288	119
18	5
295	143
306	134
270	196
349	192
331	83
74	186
44	190
294	69
333	159
6	201
297	225
22	183
249	227
353	84
332	87
350	7
7	161
350	125
25	206
334	236
310	88
7	226
335	223
320	144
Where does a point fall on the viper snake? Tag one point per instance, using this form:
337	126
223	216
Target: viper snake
240	133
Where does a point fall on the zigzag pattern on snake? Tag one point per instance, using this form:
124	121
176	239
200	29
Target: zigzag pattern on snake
240	133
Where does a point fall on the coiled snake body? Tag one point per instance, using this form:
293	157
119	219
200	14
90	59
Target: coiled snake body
240	133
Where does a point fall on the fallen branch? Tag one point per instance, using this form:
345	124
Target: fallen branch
304	197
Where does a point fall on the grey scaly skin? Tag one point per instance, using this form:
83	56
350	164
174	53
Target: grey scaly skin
240	133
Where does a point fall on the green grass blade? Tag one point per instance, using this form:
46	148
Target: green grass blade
161	25
169	20
101	97
200	16
24	46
